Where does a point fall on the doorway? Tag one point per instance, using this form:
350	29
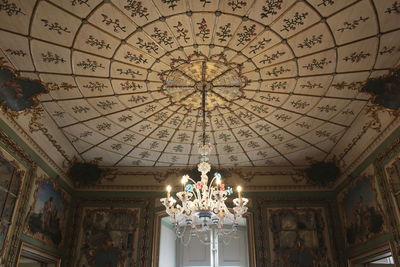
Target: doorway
172	252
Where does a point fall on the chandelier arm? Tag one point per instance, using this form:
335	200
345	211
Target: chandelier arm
190	179
210	192
198	194
212	181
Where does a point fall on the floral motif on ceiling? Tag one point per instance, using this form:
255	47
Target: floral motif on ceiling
283	77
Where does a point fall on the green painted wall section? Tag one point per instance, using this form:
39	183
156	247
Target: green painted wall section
368	245
39	244
32	154
370	159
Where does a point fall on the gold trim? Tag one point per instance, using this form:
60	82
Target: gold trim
377	198
66	201
9	254
34	97
110	203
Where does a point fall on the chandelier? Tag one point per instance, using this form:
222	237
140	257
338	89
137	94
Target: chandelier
200	209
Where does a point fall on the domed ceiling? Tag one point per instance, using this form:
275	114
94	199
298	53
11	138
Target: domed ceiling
282	77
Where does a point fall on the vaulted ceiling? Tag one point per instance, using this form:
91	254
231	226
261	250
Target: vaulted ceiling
125	77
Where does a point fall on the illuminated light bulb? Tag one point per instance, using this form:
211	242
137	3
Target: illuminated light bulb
169	188
239	189
184	179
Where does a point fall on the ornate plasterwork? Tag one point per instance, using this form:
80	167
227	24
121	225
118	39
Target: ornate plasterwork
184	82
304	63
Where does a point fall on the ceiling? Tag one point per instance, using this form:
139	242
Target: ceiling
125	77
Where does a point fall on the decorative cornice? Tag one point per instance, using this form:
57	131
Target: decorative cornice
37	149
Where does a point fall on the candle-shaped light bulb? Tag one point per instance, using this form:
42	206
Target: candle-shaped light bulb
169	188
239	189
184	180
217	176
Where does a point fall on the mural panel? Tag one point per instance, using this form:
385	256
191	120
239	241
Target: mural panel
298	237
18	94
109	237
10	181
48	213
362	216
393	175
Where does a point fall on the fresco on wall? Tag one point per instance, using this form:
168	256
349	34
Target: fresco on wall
108	237
10	180
48	213
362	216
393	173
17	94
299	238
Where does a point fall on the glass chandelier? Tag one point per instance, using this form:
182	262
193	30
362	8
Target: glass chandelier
202	210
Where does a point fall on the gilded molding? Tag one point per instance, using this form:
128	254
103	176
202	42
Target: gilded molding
10	254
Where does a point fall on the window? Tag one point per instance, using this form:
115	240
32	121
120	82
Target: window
386	261
196	254
379	257
31	256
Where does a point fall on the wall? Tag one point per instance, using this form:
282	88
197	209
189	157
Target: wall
293	230
290	227
30	223
368	203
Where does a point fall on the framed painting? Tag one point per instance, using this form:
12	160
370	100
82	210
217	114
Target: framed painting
12	175
299	237
392	171
108	237
361	213
47	217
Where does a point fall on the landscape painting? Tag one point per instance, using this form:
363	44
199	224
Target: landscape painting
48	213
17	94
108	237
362	216
299	238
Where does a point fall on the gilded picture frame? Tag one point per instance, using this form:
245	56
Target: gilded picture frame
292	245
7	223
47	217
17	92
359	199
108	234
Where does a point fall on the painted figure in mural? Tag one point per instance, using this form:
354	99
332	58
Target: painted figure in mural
48	213
108	238
298	238
17	93
48	216
363	218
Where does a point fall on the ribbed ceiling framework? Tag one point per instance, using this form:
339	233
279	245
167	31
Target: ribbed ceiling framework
114	67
